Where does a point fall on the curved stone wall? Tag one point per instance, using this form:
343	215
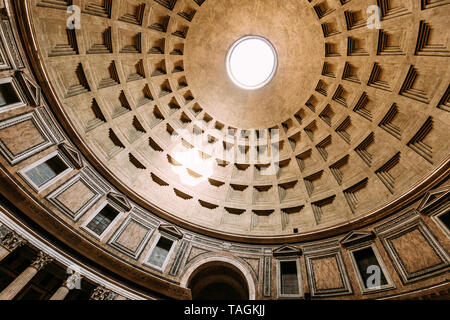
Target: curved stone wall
409	237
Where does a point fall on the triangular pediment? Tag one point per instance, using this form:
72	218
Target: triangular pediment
287	250
120	200
171	229
433	198
354	237
33	90
72	154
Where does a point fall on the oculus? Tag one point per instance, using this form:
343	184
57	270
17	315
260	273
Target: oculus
251	62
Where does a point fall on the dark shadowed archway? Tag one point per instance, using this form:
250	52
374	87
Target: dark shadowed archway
218	281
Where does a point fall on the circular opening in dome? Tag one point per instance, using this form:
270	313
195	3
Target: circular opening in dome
251	62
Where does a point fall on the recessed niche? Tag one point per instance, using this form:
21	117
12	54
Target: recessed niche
289	191
292	217
158	20
263	219
263	194
237	193
156	46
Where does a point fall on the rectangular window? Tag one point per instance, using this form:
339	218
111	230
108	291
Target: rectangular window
289	278
46	171
160	252
9	95
445	219
102	220
369	268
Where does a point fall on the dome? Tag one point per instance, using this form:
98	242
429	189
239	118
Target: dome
254	122
328	141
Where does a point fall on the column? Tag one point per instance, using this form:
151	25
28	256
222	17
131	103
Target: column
101	293
10	242
72	282
21	281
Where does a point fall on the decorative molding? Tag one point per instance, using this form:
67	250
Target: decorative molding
388	126
120	200
72	154
8	40
401	226
385	45
322	246
376	80
30	87
55	4
390	9
4	60
179	258
386	226
134	217
267	272
171	229
316	253
356	237
246	249
99	10
50	123
444	103
100	182
287	251
435	200
207	241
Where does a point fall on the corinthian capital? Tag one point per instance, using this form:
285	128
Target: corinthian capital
41	261
73	281
101	293
12	241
